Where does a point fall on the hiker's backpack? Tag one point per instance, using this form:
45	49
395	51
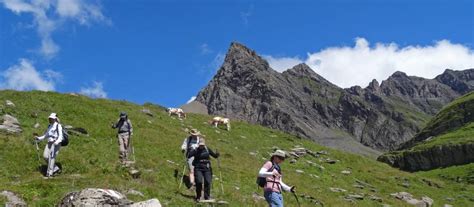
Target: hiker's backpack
65	140
262	181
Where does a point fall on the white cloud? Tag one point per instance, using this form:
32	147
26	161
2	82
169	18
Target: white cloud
191	99
46	23
281	64
246	15
359	64
205	49
94	91
24	76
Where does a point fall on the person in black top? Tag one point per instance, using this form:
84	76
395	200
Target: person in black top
202	168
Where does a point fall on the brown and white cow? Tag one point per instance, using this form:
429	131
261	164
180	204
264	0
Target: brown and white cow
176	111
221	121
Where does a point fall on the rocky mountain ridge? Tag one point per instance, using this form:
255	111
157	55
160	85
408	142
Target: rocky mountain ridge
301	102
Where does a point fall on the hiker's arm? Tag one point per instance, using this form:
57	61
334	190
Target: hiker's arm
114	125
264	172
59	139
183	146
215	155
43	136
284	186
131	127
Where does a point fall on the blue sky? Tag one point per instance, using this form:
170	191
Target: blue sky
166	51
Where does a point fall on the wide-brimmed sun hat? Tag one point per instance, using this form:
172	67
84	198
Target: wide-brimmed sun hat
202	142
53	116
195	132
279	153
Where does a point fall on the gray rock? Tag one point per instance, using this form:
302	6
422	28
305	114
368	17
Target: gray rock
134	192
147	112
355	197
346	172
13	200
149	203
337	190
37	125
299	171
95	197
10	125
375	198
9	103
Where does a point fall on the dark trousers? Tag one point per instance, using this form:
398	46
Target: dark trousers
199	175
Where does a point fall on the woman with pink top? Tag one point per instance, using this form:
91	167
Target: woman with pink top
271	171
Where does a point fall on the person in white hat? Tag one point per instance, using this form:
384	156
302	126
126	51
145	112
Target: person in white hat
124	133
274	183
191	143
54	135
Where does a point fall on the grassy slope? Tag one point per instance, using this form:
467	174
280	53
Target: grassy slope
92	161
454	124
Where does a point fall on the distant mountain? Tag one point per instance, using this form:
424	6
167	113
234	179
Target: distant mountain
447	140
367	120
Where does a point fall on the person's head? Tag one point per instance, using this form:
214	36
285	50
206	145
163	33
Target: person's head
123	115
202	143
194	133
278	156
53	117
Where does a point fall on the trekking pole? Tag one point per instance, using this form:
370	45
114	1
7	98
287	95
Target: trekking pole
220	174
184	168
297	200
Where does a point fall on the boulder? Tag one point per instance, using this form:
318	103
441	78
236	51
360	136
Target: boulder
12	199
9	103
346	172
407	197
149	203
337	190
147	112
10	125
95	197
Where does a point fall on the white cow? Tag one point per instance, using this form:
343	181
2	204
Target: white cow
221	121
176	111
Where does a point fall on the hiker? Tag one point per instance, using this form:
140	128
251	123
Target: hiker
274	184
202	168
190	143
54	134
124	133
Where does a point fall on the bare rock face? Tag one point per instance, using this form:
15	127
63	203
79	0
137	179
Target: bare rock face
10	125
431	158
301	102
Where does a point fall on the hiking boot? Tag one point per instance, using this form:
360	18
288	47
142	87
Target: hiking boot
197	200
57	172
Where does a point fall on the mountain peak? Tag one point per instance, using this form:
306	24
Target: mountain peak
241	57
399	74
302	69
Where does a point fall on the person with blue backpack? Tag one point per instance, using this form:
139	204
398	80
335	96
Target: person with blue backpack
270	178
55	136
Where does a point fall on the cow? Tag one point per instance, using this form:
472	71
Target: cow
176	111
221	121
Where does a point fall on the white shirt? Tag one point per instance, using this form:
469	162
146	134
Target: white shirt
54	133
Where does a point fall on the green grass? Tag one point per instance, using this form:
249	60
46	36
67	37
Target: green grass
93	161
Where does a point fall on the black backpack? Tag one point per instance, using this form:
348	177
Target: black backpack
65	140
262	181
